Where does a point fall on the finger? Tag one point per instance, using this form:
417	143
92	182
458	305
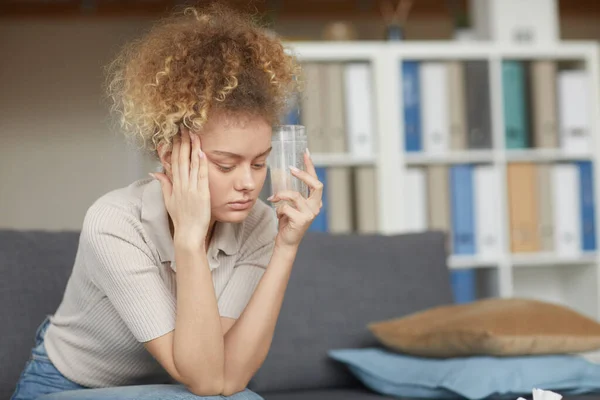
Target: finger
165	184
292	197
175	160
202	168
184	157
194	160
315	186
310	166
290	212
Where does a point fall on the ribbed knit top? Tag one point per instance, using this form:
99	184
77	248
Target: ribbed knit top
122	290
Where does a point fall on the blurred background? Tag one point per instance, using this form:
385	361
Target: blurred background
474	117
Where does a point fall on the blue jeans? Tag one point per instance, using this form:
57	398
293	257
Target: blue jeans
40	380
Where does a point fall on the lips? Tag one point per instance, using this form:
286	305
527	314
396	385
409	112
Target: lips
241	202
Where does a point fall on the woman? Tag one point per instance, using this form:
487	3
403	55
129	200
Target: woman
178	280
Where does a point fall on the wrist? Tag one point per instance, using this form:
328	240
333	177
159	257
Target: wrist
286	249
188	241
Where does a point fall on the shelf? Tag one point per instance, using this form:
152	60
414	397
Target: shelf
541	155
522	260
341	160
467	262
549	259
454	157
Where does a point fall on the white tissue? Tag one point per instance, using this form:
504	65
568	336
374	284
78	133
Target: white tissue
539	394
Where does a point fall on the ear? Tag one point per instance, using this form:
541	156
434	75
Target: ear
164	154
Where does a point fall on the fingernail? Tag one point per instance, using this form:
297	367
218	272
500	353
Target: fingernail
152	175
270	198
307	152
294	168
201	153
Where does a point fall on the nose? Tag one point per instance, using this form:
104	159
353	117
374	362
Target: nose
246	180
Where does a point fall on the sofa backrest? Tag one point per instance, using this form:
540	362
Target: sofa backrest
338	285
34	269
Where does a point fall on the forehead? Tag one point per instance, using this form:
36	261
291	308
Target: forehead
238	134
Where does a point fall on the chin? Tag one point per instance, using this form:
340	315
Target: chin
232	216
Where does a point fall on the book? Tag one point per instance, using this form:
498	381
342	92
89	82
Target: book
435	122
411	95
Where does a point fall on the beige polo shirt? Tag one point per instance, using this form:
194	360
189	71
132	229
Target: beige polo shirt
122	290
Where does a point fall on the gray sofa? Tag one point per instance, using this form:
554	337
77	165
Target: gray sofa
339	284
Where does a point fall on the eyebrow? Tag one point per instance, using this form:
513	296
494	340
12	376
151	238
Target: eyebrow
233	155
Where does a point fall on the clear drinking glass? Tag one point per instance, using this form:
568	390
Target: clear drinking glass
289	145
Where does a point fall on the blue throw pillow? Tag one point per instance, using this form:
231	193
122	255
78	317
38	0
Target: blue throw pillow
401	375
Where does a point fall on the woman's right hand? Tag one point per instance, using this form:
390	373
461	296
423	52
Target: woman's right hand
186	195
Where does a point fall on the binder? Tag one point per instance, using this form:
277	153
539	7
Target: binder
587	205
463	283
463	223
412	106
573	110
320	223
438	198
365	195
435	120
479	120
544	104
545	207
334	117
339	200
415	200
523	207
312	107
457	105
487	204
567	209
359	108
515	105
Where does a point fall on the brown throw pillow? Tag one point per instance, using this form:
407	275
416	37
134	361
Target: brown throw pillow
498	327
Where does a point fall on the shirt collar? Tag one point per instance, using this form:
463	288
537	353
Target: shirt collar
155	220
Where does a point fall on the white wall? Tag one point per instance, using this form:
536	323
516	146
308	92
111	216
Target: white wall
57	153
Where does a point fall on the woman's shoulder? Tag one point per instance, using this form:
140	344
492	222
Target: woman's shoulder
118	205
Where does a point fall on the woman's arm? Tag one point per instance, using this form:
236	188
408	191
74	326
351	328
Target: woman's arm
193	353
248	341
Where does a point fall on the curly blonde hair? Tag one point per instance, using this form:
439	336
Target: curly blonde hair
195	62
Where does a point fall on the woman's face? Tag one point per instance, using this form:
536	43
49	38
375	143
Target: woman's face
236	150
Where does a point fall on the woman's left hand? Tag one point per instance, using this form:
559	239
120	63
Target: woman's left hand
297	213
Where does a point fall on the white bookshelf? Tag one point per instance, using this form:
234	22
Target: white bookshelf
574	281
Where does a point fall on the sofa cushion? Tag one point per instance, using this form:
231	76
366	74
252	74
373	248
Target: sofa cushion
326	394
400	375
497	326
35	267
338	285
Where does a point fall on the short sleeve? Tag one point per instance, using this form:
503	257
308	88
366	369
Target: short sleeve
254	256
121	265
